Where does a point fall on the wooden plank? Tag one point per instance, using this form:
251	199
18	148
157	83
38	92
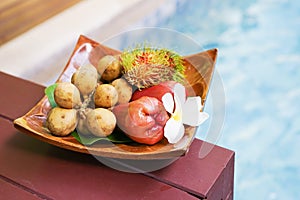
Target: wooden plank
18	16
62	174
211	177
17	96
12	192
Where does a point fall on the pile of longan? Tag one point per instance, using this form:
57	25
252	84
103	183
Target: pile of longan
85	103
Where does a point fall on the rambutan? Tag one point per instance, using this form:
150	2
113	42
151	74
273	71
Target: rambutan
145	67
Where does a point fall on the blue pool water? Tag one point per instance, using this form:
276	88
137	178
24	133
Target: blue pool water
258	61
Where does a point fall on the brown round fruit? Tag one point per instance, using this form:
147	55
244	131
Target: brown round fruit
124	90
67	95
101	122
61	121
85	79
109	68
105	96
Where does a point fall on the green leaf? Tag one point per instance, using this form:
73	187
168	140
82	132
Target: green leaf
115	137
118	137
49	91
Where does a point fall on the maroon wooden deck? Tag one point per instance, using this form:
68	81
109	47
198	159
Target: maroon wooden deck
32	169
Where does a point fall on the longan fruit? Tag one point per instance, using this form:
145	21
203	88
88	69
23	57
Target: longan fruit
104	62
67	95
61	121
101	122
109	68
85	79
82	127
105	96
124	90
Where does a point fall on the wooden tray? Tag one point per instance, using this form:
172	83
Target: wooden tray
199	72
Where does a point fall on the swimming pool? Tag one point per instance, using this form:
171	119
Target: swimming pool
259	56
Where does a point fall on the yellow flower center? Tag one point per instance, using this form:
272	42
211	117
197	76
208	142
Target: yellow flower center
176	116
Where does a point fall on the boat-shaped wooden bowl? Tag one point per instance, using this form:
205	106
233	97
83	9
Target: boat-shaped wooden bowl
199	72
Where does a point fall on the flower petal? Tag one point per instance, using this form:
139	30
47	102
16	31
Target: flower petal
191	114
173	131
168	102
178	106
179	91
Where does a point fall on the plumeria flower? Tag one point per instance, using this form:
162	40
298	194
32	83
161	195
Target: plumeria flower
183	111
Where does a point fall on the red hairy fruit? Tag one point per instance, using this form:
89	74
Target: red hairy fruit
142	120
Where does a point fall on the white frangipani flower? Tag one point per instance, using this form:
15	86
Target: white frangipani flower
183	111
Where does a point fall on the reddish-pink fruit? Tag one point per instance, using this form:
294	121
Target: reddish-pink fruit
142	120
156	91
